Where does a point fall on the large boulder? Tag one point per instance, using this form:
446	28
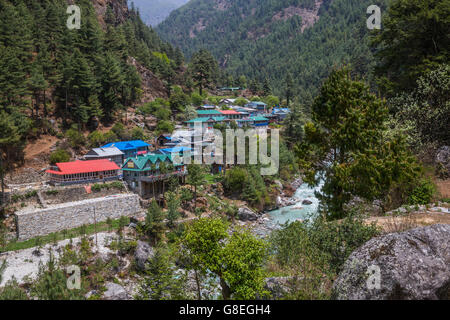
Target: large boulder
443	159
142	254
411	265
245	214
115	291
443	156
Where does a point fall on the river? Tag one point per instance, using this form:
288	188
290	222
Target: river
298	210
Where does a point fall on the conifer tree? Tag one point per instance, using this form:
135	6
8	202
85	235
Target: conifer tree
346	146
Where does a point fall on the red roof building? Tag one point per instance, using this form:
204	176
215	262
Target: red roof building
231	114
84	172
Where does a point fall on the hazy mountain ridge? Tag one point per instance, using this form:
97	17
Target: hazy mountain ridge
155	11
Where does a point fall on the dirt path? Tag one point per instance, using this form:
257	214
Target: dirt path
413	220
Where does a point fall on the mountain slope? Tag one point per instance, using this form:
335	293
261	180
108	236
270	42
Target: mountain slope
60	82
155	11
269	38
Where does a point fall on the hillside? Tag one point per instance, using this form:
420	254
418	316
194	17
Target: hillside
268	39
55	80
155	11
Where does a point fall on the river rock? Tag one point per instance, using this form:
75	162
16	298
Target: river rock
297	183
143	252
115	291
307	202
413	265
245	214
278	184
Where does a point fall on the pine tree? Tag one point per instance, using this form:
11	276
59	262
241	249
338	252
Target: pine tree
289	89
346	145
112	81
204	70
154	221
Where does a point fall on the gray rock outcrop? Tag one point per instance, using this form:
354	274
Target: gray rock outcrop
278	287
412	265
115	291
142	254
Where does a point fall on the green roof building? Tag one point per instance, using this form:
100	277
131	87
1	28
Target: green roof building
147	174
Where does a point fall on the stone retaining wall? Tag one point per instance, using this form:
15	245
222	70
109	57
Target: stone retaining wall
39	222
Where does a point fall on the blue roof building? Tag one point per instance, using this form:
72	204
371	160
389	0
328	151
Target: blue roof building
129	148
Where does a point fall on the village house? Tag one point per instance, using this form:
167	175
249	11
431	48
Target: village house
208	113
130	148
147	174
207	123
207	107
113	154
231	114
260	107
280	113
246	112
84	172
257	122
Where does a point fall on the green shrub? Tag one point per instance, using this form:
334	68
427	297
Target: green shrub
96	139
51	192
75	138
59	156
423	193
165	127
138	133
235	179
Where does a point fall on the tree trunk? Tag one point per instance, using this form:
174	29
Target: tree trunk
197	280
2	198
195	197
226	291
45	106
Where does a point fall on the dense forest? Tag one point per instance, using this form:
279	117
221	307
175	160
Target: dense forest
82	77
269	39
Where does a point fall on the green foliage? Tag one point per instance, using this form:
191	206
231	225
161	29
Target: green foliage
86	72
346	145
161	282
426	108
235	179
248	38
173	208
59	156
97	187
154	221
316	252
165	126
75	138
204	70
195	178
96	139
138	133
197	99
12	291
51	284
423	193
413	40
237	259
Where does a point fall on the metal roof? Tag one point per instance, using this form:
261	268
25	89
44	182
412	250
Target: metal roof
104	152
206	112
127	145
84	167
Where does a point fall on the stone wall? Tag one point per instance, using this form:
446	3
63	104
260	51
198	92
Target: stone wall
39	222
